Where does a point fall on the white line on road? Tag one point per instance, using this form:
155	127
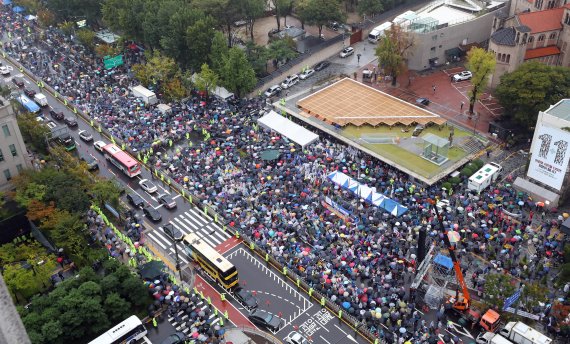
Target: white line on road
175	197
325	339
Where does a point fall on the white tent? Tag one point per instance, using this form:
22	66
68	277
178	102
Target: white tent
287	128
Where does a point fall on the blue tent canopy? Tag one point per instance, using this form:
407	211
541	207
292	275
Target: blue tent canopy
444	261
368	194
18	9
6	2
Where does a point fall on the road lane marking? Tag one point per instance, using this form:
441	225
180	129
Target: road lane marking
324	339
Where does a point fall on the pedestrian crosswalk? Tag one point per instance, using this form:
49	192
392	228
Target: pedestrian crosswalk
190	221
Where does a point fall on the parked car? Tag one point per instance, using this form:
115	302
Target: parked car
296	338
91	162
245	297
148	186
321	65
56	115
4	70
85	135
265	319
307	74
465	75
152	213
136	200
422	101
70	121
347	52
167	201
290	81
273	91
29	93
18	82
334	26
418	130
99	145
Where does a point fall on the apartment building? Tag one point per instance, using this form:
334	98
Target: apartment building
13	154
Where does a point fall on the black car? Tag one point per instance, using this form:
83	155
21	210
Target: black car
29	93
265	319
245	297
57	115
175	338
152	213
18	82
321	65
167	201
70	121
136	200
91	162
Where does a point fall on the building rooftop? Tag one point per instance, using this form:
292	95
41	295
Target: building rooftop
350	102
504	36
542	21
560	110
541	52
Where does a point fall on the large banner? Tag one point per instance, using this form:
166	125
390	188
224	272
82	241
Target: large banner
549	159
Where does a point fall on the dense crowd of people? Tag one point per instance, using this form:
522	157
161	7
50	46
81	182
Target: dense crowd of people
364	263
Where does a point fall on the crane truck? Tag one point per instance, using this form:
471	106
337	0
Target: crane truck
461	304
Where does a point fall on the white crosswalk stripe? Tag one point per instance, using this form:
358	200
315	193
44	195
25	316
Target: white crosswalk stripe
191	221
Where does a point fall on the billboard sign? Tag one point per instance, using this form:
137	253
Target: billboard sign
549	156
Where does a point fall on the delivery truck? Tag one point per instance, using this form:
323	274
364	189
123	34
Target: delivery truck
41	99
492	338
148	96
520	333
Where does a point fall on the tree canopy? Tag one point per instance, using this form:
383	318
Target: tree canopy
82	308
392	51
533	87
238	76
320	12
482	64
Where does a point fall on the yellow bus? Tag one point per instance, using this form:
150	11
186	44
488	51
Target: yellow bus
211	261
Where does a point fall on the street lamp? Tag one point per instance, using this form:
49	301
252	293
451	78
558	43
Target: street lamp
176	237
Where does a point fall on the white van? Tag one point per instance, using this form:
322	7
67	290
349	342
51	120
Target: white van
290	81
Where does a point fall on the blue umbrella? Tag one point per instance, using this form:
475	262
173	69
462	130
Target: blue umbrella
18	9
346	305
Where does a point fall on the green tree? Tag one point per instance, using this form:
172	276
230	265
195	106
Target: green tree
370	7
257	56
74	10
251	11
125	16
87	38
207	80
46	18
283	8
29	192
497	288
482	64
533	294
320	12
200	37
175	42
156	14
533	87
226	12
218	52
282	49
32	133
116	308
158	69
105	191
238	76
393	50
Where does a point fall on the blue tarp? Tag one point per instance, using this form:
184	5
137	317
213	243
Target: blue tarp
368	194
444	261
18	9
6	2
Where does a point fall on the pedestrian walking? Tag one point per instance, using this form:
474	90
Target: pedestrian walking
462	103
434	88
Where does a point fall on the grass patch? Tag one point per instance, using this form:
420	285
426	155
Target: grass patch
401	156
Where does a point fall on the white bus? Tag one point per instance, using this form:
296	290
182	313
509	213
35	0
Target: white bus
377	33
127	332
484	177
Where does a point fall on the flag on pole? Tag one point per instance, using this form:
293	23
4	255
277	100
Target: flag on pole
512	299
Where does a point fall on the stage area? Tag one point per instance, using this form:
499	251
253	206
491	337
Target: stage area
348	102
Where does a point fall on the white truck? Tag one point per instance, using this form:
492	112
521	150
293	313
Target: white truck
41	99
520	333
492	338
484	177
377	33
148	96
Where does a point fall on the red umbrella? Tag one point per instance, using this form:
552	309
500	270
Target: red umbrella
475	235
